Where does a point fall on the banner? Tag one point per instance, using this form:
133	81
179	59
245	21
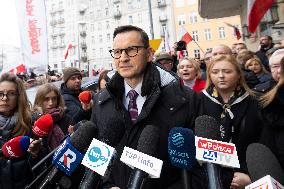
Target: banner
33	34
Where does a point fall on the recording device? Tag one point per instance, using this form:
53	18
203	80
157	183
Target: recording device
15	147
68	156
207	127
181	149
43	126
261	162
142	159
181	45
85	97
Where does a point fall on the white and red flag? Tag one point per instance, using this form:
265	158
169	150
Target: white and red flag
256	10
236	30
184	35
66	52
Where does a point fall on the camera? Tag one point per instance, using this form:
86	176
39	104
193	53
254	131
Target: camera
181	45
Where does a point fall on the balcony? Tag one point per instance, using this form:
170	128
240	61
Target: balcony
54	46
60	21
61	32
83	34
54	34
84	45
163	18
62	45
84	58
53	22
162	3
60	9
116	1
117	14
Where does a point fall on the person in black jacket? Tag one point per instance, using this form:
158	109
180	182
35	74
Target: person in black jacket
70	90
162	101
15	120
228	99
272	114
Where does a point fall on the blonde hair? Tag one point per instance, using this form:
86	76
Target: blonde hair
266	99
23	106
256	59
233	61
42	91
195	66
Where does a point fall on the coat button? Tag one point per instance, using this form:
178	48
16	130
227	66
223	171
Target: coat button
171	108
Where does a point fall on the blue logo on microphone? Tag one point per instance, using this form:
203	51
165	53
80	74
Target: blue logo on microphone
99	156
178	139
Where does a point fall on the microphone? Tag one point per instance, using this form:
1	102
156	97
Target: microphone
43	126
68	156
100	157
266	182
261	161
207	127
85	97
181	149
141	159
16	147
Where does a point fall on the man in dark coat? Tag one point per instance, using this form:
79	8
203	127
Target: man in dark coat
265	43
70	90
161	102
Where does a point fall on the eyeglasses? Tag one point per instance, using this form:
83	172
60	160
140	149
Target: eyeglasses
130	51
9	95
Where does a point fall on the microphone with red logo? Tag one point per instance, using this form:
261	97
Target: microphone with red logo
43	126
69	154
85	97
15	147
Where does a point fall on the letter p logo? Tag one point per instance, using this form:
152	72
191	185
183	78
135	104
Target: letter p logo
68	157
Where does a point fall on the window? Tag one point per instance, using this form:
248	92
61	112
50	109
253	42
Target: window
196	53
208	34
93	39
101	52
221	31
195	35
139	17
107	24
100	38
55	66
192	2
99	26
181	19
130	20
108	37
92	27
192	17
94	52
130	5
106	11
179	3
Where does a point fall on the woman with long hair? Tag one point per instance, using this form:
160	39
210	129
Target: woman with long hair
15	120
272	115
189	72
228	99
49	100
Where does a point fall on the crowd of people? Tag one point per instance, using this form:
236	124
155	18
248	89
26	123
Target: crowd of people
241	89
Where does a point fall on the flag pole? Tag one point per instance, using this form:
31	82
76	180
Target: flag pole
198	46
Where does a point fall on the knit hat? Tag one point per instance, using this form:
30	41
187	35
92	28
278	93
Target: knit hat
164	56
69	72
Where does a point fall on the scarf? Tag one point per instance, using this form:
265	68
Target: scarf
7	125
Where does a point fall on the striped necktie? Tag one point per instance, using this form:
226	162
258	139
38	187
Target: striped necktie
132	106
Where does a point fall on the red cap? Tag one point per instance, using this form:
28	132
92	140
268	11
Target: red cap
43	125
85	97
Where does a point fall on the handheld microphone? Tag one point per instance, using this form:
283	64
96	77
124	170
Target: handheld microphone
207	127
68	156
181	149
266	182
100	157
43	126
85	97
141	159
261	161
16	147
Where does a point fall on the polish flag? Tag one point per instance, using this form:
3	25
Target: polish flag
67	51
236	30
184	35
256	10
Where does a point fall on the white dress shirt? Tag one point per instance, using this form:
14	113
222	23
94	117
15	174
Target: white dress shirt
139	100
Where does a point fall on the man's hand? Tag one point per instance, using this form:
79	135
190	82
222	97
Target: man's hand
34	147
240	180
87	107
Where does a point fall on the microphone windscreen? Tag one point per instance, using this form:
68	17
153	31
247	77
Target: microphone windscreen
207	127
83	136
261	162
85	97
43	126
148	140
16	147
181	148
112	134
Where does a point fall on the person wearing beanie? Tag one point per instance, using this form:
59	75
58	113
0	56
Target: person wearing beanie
166	61
70	90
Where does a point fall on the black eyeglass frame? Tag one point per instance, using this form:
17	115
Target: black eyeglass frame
126	51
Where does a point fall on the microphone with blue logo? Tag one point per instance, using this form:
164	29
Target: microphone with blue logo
69	154
100	156
181	149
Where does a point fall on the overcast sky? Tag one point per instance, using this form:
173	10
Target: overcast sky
9	32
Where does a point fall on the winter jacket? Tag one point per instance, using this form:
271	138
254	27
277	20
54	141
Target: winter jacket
273	132
245	129
167	105
73	104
